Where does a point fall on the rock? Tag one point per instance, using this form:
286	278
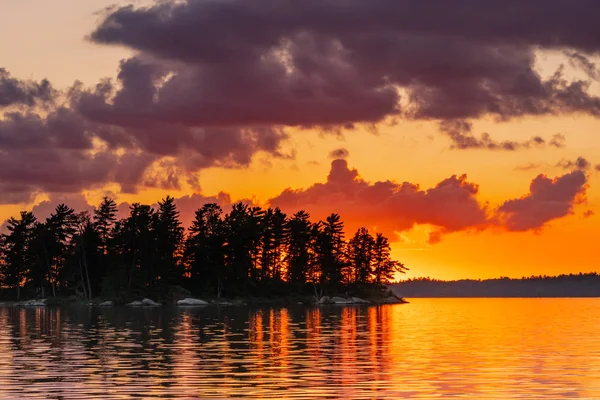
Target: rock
192	302
394	300
149	303
106	304
135	304
32	303
341	300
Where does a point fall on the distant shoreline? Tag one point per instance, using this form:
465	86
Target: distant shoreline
562	286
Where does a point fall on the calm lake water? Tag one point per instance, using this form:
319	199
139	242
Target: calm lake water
431	348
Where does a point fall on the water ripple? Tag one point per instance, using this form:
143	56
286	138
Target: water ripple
443	348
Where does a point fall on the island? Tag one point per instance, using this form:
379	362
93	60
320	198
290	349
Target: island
145	258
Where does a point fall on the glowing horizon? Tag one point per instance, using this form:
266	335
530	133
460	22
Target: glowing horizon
506	125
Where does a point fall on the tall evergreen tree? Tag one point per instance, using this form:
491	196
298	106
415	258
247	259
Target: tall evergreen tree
61	227
204	249
331	250
105	217
360	255
169	243
273	243
298	251
384	268
17	256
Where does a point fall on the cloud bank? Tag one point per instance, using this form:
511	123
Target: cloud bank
450	206
213	83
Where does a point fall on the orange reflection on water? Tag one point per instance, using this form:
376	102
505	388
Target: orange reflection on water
484	348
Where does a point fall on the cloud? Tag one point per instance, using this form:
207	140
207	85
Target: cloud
450	206
339	153
56	153
528	167
460	133
89	141
312	63
393	208
588	213
548	200
18	92
76	201
214	83
581	163
582	62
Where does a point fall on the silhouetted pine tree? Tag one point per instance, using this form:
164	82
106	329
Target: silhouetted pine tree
204	250
168	238
360	255
299	257
16	251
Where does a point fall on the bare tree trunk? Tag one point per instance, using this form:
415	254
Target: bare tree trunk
87	272
82	279
50	272
131	274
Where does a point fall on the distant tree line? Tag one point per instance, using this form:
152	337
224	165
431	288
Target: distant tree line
249	251
571	285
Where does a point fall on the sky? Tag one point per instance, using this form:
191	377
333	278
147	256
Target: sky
466	131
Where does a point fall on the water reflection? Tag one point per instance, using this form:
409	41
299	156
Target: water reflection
496	348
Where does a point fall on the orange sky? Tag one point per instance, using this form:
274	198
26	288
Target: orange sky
51	45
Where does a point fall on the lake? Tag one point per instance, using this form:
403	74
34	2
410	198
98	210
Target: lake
431	348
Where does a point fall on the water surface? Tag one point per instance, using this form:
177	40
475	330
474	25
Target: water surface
431	348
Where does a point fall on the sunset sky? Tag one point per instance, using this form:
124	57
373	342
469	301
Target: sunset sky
467	131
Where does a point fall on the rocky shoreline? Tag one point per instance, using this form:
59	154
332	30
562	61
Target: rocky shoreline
194	302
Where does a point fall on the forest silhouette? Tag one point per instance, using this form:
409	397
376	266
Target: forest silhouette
571	285
249	251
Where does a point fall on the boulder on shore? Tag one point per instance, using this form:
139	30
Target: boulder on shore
150	303
143	303
342	300
33	303
357	300
192	302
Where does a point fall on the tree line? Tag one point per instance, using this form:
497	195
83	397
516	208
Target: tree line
571	285
248	251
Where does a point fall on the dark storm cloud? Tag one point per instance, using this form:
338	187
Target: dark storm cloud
461	134
90	141
213	83
18	92
582	62
317	62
